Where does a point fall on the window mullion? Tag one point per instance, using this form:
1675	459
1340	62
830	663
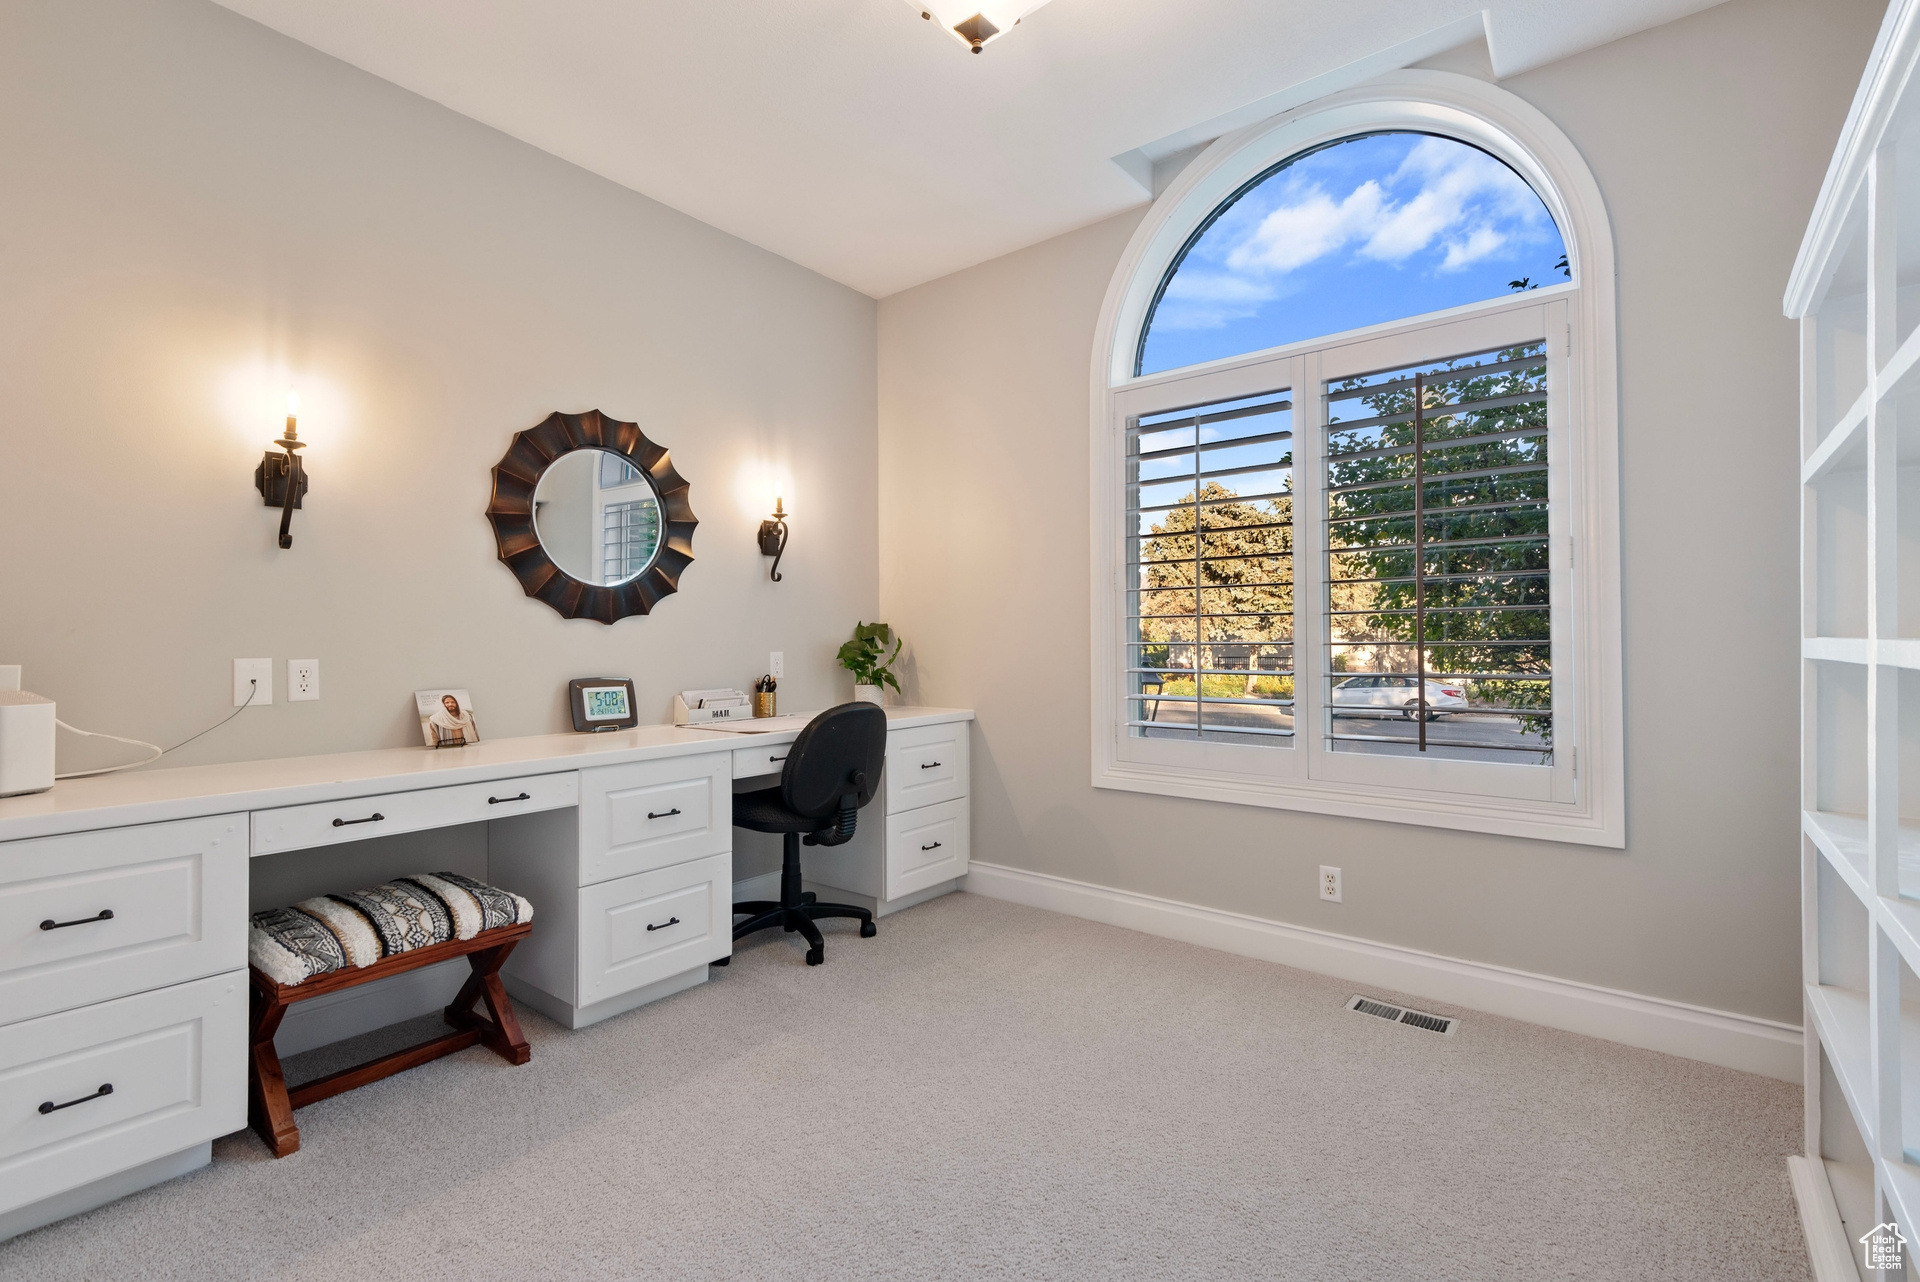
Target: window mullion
1309	557
1199	681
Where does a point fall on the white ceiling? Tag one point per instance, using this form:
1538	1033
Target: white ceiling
853	138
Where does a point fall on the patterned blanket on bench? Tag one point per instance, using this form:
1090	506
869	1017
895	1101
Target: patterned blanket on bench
332	932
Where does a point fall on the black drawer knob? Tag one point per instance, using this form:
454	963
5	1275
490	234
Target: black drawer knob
496	801
934	846
664	814
671	921
929	765
373	818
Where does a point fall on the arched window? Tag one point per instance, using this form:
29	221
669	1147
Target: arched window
1350	233
1354	459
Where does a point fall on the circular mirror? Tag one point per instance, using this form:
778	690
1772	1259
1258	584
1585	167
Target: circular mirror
598	517
591	516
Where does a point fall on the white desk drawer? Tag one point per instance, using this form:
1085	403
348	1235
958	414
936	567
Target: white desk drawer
330	822
175	899
176	1059
766	759
925	847
925	765
653	814
641	929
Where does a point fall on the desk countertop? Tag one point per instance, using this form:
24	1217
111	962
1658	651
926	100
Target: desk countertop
186	792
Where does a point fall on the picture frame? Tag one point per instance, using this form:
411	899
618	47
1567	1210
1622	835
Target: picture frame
446	718
602	703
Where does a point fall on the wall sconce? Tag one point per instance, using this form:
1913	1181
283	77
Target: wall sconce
773	537
280	478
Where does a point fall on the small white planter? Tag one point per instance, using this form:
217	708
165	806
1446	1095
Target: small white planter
868	694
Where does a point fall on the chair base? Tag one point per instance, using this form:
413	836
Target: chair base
796	911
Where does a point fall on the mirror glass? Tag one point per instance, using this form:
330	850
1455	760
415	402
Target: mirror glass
597	516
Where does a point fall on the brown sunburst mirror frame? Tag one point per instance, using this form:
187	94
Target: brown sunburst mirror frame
517	476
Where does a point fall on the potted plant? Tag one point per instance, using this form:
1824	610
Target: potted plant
867	657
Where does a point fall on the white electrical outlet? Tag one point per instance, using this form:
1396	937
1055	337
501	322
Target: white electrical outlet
777	663
303	679
1330	884
249	674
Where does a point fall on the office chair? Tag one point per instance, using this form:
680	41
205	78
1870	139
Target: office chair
831	771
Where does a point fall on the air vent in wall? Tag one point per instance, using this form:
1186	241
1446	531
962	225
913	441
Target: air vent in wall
1400	1015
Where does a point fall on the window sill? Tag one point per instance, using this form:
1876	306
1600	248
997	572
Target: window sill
1541	821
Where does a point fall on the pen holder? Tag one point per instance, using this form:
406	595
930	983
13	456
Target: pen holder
763	702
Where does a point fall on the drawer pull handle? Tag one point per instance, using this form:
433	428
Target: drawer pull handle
671	921
105	914
934	846
106	1088
782	757
373	818
495	801
929	765
664	814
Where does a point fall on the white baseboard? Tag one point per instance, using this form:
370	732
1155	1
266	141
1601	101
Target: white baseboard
1828	1250
765	886
1653	1023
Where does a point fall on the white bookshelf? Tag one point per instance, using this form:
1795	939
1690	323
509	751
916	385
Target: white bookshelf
1855	290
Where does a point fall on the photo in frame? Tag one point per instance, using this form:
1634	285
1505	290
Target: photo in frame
446	718
602	703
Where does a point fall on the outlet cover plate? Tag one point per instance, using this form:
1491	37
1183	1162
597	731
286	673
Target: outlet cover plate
303	680
1330	884
246	670
777	663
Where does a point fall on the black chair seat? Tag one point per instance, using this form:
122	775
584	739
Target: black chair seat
764	811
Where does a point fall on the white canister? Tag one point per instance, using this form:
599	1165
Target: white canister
26	743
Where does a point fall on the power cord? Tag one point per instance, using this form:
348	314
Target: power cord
253	688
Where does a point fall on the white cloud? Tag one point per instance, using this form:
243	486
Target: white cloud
1480	242
1294	235
1443	194
1208	300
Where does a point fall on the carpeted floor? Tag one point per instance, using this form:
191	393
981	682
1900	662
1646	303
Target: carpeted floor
991	1091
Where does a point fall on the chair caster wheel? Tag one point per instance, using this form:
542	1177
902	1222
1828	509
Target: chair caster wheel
815	956
868	930
720	961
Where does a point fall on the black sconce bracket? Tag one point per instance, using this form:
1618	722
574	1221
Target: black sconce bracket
282	482
773	538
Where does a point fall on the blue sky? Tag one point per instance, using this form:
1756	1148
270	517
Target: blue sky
1365	231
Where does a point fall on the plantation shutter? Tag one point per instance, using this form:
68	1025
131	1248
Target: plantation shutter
1209	578
1438	575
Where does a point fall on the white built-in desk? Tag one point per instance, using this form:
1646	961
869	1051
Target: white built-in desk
124	902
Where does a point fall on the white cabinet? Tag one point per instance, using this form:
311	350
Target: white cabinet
652	814
926	764
331	822
639	930
926	847
90	1092
914	838
96	915
633	890
124	996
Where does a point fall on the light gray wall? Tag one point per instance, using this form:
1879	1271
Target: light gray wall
191	202
1709	138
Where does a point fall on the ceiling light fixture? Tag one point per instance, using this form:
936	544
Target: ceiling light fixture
976	23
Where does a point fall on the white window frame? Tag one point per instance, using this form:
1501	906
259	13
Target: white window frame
1580	798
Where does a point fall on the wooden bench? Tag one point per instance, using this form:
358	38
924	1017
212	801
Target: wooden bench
271	1104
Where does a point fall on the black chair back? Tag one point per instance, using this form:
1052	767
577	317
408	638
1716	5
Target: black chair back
834	766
